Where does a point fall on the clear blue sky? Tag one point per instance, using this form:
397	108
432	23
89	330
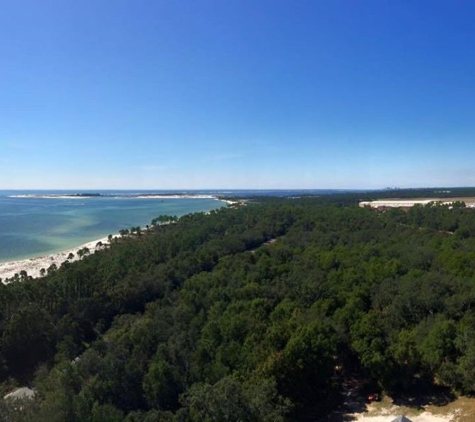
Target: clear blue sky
164	94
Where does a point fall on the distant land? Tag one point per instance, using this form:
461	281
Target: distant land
105	195
174	192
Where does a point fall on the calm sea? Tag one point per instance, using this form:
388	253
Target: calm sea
35	226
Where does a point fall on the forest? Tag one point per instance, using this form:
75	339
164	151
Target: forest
254	313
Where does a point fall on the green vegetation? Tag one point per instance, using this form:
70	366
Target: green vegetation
205	319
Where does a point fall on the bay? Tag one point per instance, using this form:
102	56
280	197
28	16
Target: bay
33	223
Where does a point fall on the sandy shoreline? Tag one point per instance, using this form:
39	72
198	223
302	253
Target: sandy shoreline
34	265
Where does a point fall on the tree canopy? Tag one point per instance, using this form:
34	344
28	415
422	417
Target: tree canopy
252	313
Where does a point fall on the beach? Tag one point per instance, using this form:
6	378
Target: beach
34	265
36	225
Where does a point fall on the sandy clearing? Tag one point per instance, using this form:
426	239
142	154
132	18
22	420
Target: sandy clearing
409	202
462	409
423	417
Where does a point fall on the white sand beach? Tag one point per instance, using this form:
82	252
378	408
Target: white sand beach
33	266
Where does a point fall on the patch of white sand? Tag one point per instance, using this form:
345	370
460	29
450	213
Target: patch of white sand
423	417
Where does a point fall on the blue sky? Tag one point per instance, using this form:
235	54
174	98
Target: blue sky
162	94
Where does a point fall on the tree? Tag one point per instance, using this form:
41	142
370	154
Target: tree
83	252
233	400
52	268
163	384
30	326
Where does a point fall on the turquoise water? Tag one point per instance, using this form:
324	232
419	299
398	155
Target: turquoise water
34	226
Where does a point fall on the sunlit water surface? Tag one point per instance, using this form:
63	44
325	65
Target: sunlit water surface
35	226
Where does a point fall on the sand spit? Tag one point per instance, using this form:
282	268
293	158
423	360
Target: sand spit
33	266
184	196
49	196
122	196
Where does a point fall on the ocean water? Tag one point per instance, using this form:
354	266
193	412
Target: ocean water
33	226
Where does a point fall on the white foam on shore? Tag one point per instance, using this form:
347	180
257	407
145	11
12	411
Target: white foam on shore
33	266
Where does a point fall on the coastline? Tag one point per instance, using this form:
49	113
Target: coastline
34	265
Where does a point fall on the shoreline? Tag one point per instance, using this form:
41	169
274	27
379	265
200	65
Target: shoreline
34	265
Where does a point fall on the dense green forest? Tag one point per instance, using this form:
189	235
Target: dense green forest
255	313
